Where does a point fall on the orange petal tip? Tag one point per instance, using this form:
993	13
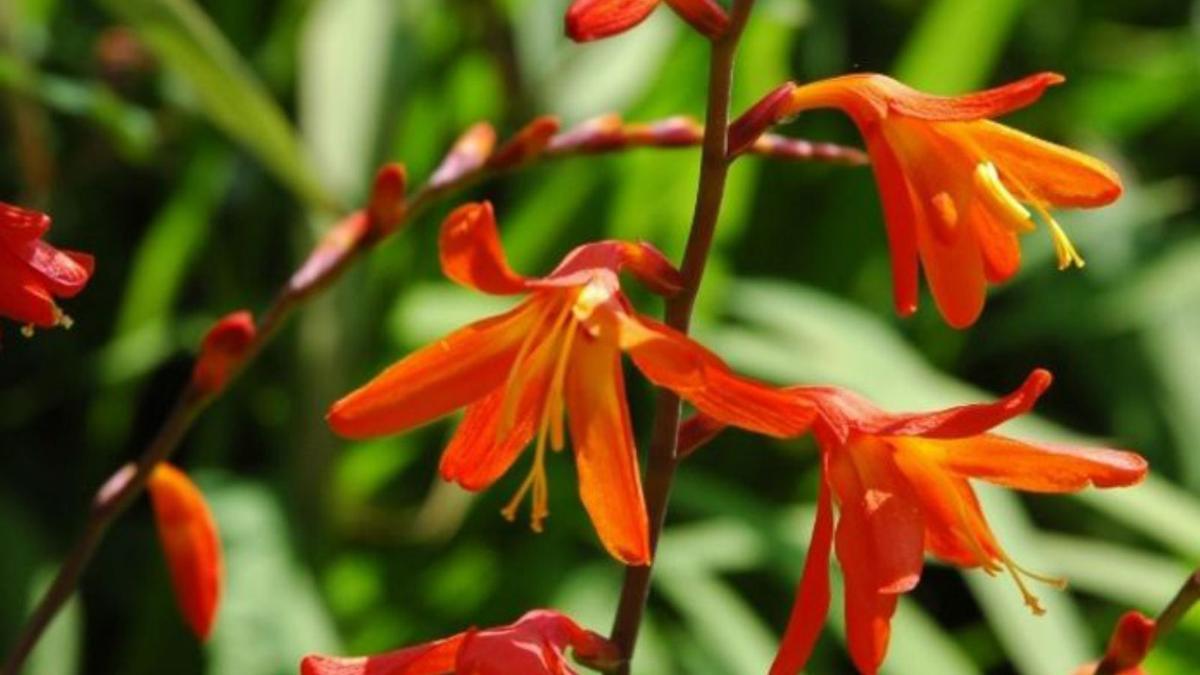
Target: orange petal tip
191	545
224	348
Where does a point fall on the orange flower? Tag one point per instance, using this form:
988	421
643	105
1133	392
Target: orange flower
956	187
588	20
33	273
534	645
556	352
900	482
192	547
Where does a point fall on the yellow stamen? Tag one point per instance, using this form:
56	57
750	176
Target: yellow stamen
997	196
1063	248
1031	600
555	403
520	372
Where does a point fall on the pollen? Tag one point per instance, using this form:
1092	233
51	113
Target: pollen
1000	200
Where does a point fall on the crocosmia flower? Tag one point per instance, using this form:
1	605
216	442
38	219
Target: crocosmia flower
191	546
557	353
535	645
901	486
595	19
34	273
957	188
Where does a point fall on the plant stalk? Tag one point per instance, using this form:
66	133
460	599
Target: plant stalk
662	463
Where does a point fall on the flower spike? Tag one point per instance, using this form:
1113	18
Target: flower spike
192	547
957	188
34	273
901	486
557	353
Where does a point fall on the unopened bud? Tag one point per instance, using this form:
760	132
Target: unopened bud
387	203
469	154
769	111
594	135
223	349
526	144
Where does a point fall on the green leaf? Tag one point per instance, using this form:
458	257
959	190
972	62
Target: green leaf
956	43
271	613
227	91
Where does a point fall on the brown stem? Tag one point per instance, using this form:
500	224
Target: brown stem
129	481
660	472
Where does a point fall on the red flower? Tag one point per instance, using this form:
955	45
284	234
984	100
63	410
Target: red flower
33	273
956	187
191	545
557	352
535	645
594	19
900	482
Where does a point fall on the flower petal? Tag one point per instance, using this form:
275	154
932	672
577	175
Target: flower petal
64	273
956	530
868	611
23	297
696	432
1050	173
1038	467
609	482
670	359
812	596
595	19
433	658
471	254
878	504
954	269
189	539
965	420
437	379
646	263
998	244
901	217
705	16
21	225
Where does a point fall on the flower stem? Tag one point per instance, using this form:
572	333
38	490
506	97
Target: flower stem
660	471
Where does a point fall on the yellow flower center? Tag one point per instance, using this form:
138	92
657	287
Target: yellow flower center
1017	218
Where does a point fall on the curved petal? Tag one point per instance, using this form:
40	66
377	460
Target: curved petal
1050	173
672	360
535	644
595	19
434	658
965	420
902	219
1038	467
64	273
471	254
609	482
438	378
812	595
878	504
644	261
20	225
705	16
190	543
871	97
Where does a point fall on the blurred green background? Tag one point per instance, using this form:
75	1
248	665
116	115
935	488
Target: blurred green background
197	148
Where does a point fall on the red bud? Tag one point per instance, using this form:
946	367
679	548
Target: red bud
223	349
